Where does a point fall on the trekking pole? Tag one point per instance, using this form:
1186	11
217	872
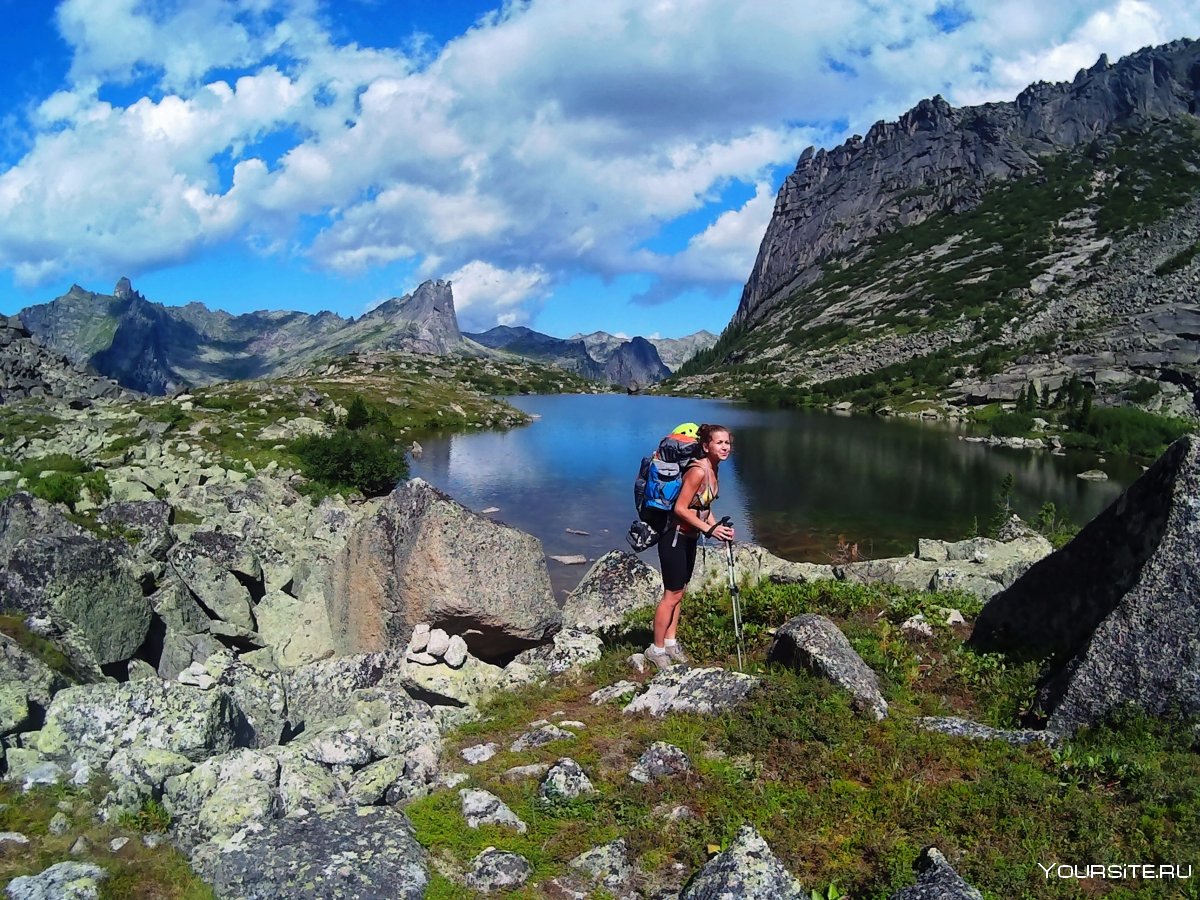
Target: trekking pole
735	596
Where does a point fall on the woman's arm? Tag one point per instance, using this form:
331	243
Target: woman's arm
693	480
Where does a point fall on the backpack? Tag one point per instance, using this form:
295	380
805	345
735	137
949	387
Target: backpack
658	483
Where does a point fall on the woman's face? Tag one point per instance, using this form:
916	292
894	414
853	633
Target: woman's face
720	445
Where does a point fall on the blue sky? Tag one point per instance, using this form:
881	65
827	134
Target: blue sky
570	165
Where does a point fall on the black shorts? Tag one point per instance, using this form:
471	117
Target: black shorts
677	558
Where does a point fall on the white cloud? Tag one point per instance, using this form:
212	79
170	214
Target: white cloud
1118	29
552	139
485	295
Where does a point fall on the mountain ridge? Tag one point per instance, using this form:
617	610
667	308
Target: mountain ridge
827	207
160	349
1080	263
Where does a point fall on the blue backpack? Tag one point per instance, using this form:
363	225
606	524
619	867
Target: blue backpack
658	483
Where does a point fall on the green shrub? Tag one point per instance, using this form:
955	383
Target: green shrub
1125	429
1011	424
357	460
57	487
1143	391
55	462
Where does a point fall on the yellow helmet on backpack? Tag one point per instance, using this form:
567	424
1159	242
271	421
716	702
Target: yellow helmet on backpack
687	429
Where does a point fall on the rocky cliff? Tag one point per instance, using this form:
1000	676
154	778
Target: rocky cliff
969	253
937	158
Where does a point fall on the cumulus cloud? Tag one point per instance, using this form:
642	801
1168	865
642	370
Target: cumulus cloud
552	139
485	295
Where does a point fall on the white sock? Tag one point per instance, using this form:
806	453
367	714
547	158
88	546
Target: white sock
671	642
656	647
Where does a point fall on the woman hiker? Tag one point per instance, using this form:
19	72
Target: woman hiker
691	517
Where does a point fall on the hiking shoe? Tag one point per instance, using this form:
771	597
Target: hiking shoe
675	651
660	658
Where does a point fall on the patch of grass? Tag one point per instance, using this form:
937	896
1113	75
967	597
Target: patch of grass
136	872
841	800
12	624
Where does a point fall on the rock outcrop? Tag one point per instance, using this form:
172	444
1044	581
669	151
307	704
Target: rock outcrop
748	870
816	644
29	369
1120	604
937	158
937	880
424	558
345	852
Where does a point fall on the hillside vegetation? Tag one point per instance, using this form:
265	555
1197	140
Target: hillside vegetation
1063	273
847	804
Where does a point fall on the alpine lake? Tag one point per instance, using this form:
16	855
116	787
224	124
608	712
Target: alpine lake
797	482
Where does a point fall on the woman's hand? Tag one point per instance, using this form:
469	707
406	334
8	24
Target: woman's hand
722	533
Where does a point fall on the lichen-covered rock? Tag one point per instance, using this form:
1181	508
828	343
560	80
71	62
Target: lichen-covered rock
296	628
979	566
704	691
220	569
814	643
331	854
320	691
441	685
751	564
498	870
483	808
616	584
181	650
609	867
565	780
258	694
570	649
91	723
479	752
613	692
661	760
1117	604
305	785
223	794
748	870
25	516
425	558
140	773
540	737
62	881
937	880
975	731
86	581
27	686
148	520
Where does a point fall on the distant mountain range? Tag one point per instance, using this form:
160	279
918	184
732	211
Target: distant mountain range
160	349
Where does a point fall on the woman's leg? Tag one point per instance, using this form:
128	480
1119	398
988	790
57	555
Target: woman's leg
689	560
666	616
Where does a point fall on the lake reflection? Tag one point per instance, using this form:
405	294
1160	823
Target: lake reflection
795	483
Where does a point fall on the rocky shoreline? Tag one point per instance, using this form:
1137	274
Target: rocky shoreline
279	677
